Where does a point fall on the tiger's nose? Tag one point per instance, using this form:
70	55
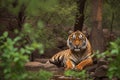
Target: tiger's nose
77	43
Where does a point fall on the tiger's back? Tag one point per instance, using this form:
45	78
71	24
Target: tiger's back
59	58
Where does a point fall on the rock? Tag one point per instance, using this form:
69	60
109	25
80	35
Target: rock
92	74
49	65
53	68
66	78
101	71
41	60
102	62
34	66
55	77
91	68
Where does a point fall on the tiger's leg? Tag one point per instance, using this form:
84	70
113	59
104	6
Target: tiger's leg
69	65
84	63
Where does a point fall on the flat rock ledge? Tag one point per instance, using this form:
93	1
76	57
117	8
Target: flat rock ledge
96	71
36	66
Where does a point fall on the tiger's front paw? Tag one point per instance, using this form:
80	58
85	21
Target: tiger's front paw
78	67
69	65
68	68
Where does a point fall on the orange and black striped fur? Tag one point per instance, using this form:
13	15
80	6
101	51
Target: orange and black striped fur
77	56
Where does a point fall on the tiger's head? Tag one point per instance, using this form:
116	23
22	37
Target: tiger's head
77	41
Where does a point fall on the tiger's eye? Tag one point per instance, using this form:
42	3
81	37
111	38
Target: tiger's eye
73	37
80	36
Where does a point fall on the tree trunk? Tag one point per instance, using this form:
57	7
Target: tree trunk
96	36
21	18
111	26
80	15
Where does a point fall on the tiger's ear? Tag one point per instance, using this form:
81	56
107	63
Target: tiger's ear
85	33
70	32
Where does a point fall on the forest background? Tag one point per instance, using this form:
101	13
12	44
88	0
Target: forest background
39	28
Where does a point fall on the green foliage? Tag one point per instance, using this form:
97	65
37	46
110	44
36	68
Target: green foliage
32	7
110	8
112	55
40	75
13	57
48	14
87	13
78	74
63	14
99	55
114	67
40	34
43	27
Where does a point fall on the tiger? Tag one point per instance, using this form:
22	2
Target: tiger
78	54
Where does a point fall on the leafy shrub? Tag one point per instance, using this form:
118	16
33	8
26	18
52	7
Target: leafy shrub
41	35
32	6
112	55
114	65
13	58
78	74
99	55
40	75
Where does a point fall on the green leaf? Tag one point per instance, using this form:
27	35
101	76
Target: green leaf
16	31
28	51
22	50
5	34
40	24
114	51
16	39
41	51
16	59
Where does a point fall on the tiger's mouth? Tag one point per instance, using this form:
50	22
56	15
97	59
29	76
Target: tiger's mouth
76	49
